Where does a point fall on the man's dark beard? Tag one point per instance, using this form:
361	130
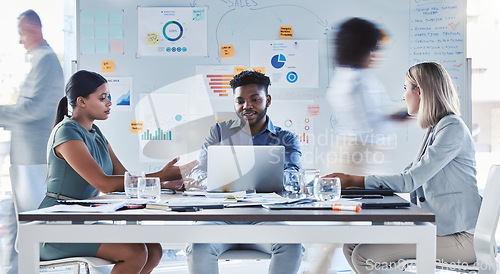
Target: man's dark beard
262	116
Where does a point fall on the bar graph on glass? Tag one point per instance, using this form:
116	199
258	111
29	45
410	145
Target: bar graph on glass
162	116
303	137
216	80
158	134
292	115
219	84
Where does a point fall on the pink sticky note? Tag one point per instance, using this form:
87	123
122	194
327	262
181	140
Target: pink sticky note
312	110
116	46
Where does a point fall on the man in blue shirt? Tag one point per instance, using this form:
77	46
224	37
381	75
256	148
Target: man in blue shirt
254	127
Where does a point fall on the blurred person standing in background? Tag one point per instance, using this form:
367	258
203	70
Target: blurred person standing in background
30	119
359	103
365	136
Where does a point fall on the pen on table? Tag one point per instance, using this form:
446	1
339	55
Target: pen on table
340	207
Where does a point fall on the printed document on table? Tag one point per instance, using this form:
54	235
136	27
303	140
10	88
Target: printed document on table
101	208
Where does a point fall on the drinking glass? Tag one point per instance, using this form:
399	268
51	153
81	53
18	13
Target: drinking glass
130	184
149	188
291	183
327	189
307	177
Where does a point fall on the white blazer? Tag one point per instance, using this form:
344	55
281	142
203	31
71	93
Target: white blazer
443	175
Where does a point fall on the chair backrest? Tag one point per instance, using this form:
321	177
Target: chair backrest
29	185
487	222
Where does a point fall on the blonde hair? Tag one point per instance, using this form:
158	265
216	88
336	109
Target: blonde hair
438	95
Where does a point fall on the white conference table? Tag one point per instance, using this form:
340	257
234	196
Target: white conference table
409	226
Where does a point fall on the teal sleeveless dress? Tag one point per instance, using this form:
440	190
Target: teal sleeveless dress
64	180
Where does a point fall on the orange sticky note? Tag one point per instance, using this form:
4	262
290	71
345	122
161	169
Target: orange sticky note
286	32
226	51
384	38
136	126
108	66
238	69
260	69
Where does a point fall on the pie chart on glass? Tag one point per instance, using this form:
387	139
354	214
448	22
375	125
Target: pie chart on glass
173	31
278	61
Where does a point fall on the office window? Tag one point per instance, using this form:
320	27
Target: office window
14	64
483	39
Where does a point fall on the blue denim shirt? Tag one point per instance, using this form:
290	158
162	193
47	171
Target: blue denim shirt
443	175
234	132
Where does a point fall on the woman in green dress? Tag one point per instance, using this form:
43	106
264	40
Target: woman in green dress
81	163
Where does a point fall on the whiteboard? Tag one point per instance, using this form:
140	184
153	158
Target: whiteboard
177	85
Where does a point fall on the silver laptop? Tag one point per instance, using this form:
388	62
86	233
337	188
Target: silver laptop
238	168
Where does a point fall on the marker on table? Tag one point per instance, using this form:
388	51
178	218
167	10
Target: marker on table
340	207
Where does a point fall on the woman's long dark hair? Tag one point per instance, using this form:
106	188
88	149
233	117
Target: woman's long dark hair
82	83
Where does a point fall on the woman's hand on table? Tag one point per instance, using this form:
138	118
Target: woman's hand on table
348	181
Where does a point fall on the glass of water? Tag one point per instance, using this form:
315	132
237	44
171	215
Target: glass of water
327	189
307	177
130	185
149	188
291	183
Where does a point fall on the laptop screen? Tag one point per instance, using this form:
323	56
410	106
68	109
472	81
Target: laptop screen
237	168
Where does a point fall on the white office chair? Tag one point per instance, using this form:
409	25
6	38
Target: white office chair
244	254
484	234
28	189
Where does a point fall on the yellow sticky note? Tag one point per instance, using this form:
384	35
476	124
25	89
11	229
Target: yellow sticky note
136	126
238	69
152	39
108	66
226	51
260	69
286	32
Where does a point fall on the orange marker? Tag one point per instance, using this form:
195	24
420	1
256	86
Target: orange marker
339	207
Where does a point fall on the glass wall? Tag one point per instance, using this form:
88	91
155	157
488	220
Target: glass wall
483	40
58	19
14	64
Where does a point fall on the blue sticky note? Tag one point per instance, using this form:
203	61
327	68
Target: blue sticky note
87	46
101	46
116	16
86	17
87	32
198	14
101	17
101	32
115	32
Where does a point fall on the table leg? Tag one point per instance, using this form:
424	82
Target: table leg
426	251
29	250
